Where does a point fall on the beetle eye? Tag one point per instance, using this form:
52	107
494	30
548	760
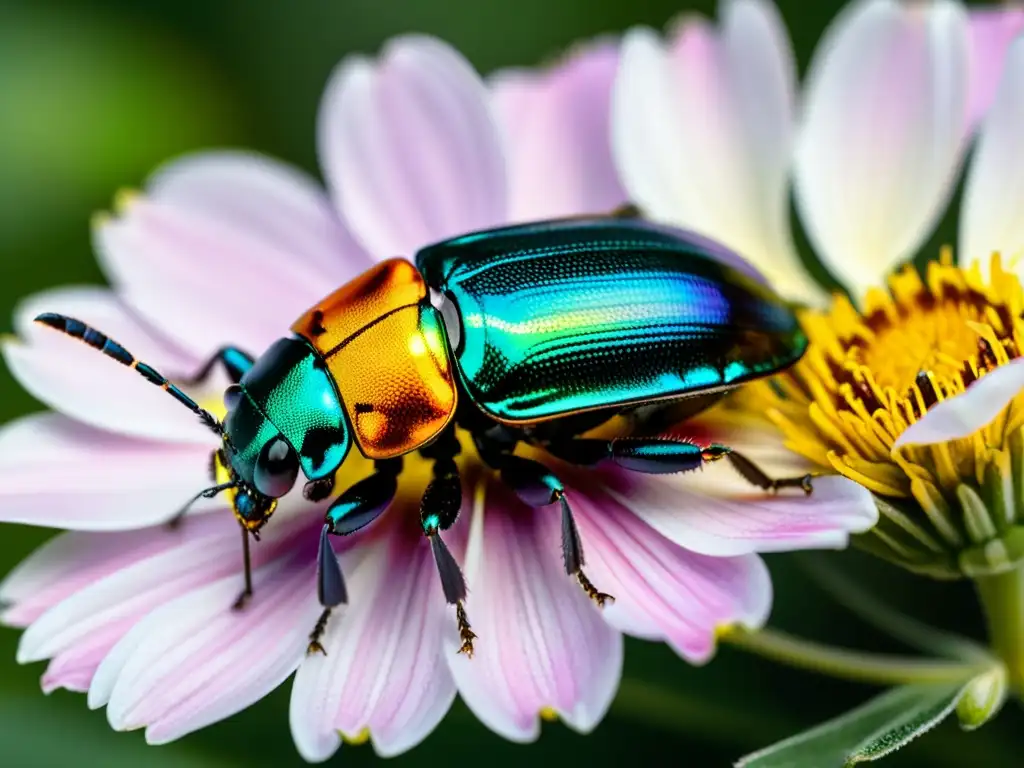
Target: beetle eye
232	396
276	468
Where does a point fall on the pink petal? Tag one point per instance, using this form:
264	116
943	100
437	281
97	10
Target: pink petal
556	125
78	381
883	133
207	282
702	134
542	643
384	670
991	220
60	473
272	201
201	551
972	409
74	668
723	516
992	31
68	563
195	661
410	148
661	590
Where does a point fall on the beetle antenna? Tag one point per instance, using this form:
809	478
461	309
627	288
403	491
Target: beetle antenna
79	330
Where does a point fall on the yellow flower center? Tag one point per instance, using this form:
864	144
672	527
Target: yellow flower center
870	374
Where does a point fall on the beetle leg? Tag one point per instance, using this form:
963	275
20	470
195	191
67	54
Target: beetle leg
246	593
357	507
537	486
439	509
756	476
235	362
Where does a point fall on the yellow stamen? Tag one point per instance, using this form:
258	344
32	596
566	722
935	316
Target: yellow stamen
549	714
869	374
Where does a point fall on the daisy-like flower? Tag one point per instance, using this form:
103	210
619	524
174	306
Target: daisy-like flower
913	388
228	248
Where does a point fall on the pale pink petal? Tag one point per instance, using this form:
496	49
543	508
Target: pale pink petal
555	124
972	409
991	219
70	562
206	282
661	590
702	134
384	670
59	473
715	516
992	30
883	133
410	148
202	550
195	661
73	668
78	381
542	643
272	201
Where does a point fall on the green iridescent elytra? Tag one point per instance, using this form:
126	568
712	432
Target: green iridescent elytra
562	317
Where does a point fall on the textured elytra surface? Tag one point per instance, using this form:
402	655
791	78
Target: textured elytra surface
560	317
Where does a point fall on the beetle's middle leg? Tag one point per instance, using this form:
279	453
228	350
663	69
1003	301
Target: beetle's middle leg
537	486
439	509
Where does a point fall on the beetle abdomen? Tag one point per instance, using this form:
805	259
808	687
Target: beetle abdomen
562	317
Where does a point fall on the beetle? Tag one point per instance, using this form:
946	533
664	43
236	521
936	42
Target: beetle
534	333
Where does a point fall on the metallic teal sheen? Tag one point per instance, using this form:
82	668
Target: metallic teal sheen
568	316
292	388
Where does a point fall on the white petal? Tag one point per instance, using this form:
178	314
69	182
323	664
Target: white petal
60	473
702	133
991	219
276	203
969	411
883	133
78	381
410	148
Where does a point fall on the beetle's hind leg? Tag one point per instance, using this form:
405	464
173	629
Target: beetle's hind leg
754	475
655	455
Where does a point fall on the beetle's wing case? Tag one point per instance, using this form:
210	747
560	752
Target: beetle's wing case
385	348
568	316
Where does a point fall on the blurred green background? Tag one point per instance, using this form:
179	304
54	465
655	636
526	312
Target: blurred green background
95	93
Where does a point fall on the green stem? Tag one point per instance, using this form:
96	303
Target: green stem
1002	597
879	669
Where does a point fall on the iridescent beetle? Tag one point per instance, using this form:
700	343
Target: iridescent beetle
534	333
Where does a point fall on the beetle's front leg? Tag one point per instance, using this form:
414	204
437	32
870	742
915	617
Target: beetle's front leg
357	507
236	363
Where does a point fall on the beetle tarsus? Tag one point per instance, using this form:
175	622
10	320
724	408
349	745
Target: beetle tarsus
754	475
315	646
242	600
466	633
601	598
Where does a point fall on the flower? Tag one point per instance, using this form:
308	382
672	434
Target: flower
231	247
912	391
705	132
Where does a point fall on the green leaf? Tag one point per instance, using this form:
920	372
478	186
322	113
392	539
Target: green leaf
873	730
